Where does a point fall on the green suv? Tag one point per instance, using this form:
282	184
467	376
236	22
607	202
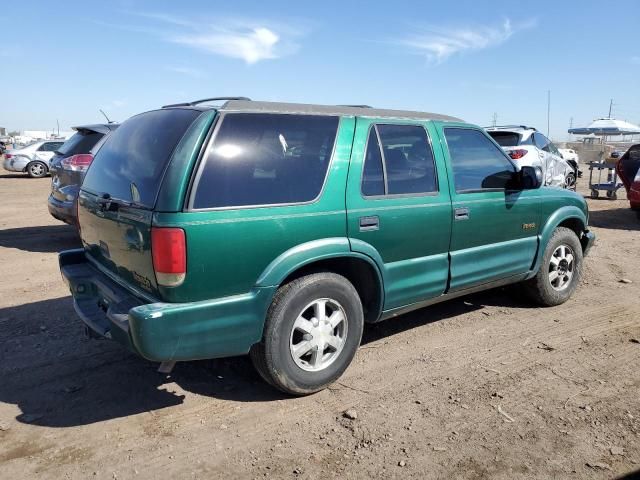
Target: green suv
280	229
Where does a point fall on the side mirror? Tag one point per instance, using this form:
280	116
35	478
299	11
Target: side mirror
530	178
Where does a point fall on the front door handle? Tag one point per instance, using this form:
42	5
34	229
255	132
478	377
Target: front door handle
369	223
461	213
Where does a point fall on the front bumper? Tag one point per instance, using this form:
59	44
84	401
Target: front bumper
159	331
587	240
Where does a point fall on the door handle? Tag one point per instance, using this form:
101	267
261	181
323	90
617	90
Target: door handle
461	213
369	223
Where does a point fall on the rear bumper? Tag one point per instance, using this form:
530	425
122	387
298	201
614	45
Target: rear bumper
63	211
587	240
159	331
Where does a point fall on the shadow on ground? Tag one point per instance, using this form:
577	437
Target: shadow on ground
59	378
44	239
616	219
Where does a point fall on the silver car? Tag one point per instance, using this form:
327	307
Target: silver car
33	159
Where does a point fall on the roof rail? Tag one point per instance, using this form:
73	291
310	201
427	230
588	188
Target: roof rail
355	106
511	126
204	100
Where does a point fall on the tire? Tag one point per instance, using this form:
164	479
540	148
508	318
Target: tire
541	288
293	312
37	169
595	193
570	181
612	195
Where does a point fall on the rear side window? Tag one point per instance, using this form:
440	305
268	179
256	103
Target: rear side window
81	142
266	159
506	139
50	146
404	164
130	164
476	162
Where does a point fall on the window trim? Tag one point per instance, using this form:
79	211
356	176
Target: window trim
208	144
493	142
374	125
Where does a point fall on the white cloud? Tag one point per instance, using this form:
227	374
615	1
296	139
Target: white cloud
247	40
248	44
437	44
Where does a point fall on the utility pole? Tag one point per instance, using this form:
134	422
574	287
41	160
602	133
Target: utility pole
58	123
548	111
570	126
495	119
610	107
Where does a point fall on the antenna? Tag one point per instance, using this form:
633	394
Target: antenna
105	115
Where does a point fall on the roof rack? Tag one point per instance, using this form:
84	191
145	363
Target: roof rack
204	100
511	126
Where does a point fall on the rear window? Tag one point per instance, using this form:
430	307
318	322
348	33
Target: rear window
266	159
130	164
81	142
506	139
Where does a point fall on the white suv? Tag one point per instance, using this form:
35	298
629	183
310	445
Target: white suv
32	159
528	147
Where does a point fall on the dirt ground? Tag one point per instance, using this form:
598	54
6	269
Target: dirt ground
480	387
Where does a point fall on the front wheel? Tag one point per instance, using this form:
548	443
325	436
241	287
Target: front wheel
311	334
560	271
37	169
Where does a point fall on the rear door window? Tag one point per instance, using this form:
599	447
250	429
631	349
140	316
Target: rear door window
130	164
477	163
405	164
266	159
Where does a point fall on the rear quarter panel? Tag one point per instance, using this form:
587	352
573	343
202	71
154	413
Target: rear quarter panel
229	249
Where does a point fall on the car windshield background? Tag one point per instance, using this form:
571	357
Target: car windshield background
81	142
266	159
506	139
409	166
477	163
130	164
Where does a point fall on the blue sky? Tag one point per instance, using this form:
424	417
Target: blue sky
65	60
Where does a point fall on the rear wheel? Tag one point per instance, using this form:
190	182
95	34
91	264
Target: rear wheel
595	193
560	271
311	334
37	169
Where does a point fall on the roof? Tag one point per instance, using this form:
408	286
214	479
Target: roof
98	127
607	126
309	109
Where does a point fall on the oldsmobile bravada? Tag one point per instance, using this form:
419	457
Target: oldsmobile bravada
280	229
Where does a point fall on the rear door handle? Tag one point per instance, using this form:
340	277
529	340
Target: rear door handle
369	223
461	213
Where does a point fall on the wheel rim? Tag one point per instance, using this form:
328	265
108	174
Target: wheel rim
561	267
570	180
37	169
318	335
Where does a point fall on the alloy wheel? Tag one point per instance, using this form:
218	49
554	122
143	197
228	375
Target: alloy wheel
561	267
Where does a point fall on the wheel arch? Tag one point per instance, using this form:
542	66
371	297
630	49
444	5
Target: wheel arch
570	217
330	255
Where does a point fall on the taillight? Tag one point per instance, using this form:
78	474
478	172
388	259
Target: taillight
7	156
169	252
77	163
516	154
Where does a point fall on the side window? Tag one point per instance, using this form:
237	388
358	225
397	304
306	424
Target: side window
50	146
477	162
541	141
373	172
406	165
266	159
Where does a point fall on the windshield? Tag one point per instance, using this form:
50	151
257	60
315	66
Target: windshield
81	142
130	164
506	139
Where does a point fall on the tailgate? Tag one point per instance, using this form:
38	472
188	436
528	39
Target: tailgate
118	239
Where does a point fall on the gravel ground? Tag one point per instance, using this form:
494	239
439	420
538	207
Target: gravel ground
485	386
